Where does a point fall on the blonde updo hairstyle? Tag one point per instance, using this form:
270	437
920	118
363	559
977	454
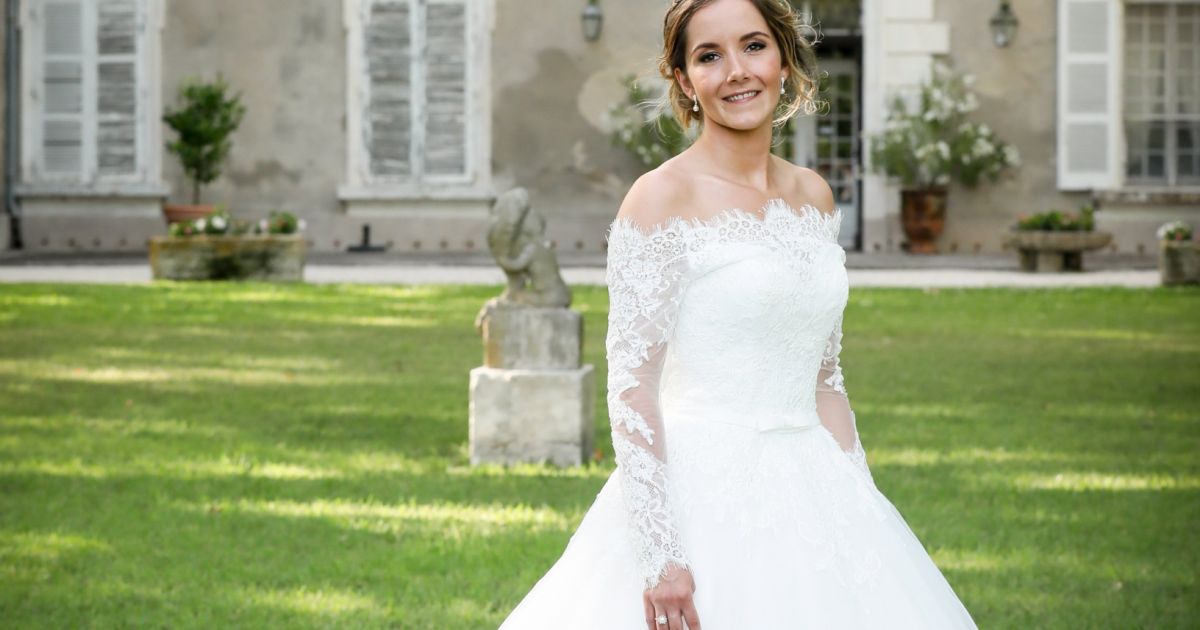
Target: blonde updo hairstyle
796	54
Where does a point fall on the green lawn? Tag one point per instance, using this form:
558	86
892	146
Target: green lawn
254	455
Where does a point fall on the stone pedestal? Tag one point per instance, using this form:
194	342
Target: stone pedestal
531	401
1179	262
531	416
530	337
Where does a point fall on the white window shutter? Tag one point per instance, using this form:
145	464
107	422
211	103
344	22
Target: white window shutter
388	51
447	44
1089	113
62	124
117	87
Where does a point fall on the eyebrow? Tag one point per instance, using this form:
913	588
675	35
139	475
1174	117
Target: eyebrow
744	38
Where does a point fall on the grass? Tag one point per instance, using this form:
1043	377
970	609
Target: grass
253	455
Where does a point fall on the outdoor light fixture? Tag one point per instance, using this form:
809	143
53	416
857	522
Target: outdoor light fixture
1004	25
593	20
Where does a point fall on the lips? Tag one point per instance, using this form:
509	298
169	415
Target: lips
742	97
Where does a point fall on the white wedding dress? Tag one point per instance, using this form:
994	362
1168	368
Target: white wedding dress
736	448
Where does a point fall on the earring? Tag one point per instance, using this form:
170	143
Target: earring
695	104
782	86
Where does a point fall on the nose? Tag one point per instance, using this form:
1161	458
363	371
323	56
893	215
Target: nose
737	70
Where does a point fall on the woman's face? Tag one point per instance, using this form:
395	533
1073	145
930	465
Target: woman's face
731	52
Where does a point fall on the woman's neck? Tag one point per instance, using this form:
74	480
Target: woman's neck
741	157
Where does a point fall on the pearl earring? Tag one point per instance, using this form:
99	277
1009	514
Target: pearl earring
782	86
695	104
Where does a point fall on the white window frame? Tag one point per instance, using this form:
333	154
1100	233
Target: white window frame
476	182
1170	164
147	178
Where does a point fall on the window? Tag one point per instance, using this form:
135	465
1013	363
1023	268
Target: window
418	88
1162	94
86	98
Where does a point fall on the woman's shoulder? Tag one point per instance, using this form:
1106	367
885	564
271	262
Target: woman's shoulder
656	196
809	186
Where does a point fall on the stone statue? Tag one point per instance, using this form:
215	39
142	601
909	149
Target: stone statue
531	400
517	238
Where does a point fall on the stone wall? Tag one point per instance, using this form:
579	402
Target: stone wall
288	60
1017	87
1017	95
551	90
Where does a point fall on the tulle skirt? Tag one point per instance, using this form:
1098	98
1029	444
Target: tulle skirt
782	530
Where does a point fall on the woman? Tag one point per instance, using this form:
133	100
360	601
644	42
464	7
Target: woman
742	497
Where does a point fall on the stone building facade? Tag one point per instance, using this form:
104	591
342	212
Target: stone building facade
410	116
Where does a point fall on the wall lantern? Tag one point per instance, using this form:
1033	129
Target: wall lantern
593	21
1004	25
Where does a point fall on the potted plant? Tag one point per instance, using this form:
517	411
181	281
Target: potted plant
652	136
1055	241
207	115
220	247
932	145
1178	254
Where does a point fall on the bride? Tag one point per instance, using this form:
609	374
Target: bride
742	497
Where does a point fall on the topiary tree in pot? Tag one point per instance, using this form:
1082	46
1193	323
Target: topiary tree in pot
206	117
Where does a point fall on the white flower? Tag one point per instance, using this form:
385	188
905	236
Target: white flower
300	225
984	130
200	224
263	224
218	222
982	148
943	149
1161	232
1011	156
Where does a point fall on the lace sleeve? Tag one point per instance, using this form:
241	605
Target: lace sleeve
833	403
644	275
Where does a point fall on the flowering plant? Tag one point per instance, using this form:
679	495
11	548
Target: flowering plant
221	222
1053	220
653	136
1174	231
279	223
935	144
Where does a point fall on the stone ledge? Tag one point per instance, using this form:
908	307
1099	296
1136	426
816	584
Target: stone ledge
1150	196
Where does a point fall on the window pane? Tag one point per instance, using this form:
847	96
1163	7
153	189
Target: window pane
446	89
1144	161
117	27
64	28
389	109
63	146
64	87
116	135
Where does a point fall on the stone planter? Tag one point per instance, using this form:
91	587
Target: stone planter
276	257
1055	250
1179	262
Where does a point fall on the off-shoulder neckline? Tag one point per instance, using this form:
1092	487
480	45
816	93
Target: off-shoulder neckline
806	210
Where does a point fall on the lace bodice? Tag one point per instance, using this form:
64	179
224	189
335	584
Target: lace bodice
736	317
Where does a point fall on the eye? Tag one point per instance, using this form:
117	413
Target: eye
760	45
706	57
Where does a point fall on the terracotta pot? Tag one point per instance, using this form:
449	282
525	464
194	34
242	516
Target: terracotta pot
175	212
923	214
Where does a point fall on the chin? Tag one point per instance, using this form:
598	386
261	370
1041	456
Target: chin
746	124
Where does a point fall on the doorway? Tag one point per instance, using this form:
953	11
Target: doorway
829	142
